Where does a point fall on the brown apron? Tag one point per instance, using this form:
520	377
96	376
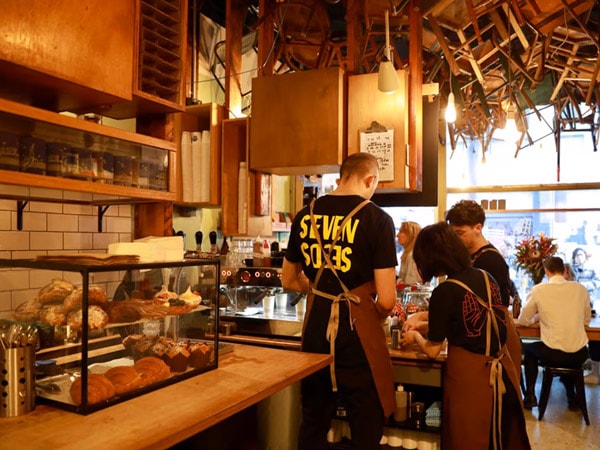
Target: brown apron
513	340
474	389
363	315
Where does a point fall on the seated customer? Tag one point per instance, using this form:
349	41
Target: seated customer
563	309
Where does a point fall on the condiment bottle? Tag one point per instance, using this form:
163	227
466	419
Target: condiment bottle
266	253
257	252
401	412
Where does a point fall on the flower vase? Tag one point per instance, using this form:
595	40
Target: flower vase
537	277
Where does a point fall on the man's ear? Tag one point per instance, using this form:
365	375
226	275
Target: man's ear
370	180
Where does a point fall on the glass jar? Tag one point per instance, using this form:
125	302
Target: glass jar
416	299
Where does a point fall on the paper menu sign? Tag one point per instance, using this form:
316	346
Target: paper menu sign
381	145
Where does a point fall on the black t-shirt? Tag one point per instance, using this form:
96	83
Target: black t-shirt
455	313
491	260
367	243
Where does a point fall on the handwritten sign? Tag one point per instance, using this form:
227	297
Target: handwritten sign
381	145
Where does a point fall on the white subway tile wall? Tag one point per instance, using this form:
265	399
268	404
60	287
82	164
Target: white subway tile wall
54	228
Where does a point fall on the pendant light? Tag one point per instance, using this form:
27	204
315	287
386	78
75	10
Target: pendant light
450	109
450	114
510	130
387	80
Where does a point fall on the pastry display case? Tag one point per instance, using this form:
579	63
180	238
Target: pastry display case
110	328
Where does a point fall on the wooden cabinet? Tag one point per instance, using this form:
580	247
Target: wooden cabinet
366	104
159	60
67	54
207	116
235	150
297	124
119	59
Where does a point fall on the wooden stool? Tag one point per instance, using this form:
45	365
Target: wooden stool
576	375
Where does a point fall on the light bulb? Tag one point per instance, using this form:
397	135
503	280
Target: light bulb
387	79
450	109
510	131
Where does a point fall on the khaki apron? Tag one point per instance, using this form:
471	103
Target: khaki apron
474	390
363	315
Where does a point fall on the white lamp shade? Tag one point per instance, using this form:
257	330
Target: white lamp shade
450	109
387	81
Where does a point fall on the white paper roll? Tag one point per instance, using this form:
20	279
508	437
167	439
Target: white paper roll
205	167
186	166
196	166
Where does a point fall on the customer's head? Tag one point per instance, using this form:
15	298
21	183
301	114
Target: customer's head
407	234
569	273
554	265
579	257
360	171
439	251
466	219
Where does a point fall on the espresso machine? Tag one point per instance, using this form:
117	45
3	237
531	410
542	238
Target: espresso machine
253	301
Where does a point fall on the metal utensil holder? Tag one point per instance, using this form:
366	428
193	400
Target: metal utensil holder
17	393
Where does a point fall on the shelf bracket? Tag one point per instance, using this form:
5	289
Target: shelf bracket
101	211
21	204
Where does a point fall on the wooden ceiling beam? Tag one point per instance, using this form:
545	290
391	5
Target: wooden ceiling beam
444	45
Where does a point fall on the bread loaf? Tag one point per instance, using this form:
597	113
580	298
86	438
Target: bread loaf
97	318
55	291
96	296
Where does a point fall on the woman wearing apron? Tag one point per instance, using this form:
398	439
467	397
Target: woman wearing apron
341	252
482	406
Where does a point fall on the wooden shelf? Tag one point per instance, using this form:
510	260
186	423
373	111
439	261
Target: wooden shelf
206	116
22	120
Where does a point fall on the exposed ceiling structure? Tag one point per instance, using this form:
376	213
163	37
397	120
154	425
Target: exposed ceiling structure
493	54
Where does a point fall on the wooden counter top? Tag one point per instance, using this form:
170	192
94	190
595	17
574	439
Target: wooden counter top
592	330
162	418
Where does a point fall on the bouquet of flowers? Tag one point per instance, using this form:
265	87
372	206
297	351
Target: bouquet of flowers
531	252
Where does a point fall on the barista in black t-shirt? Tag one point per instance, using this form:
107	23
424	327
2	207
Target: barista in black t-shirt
466	218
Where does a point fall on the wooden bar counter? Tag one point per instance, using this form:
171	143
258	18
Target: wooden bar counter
533	331
163	418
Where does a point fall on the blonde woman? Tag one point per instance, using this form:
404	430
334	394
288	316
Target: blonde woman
407	234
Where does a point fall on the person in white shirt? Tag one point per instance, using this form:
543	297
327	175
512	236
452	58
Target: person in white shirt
562	309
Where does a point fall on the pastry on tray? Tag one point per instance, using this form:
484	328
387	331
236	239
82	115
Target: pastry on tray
99	389
124	378
152	369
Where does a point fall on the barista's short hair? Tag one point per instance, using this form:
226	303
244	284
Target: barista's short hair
360	164
466	212
554	264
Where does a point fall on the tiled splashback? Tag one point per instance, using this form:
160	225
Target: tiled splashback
52	228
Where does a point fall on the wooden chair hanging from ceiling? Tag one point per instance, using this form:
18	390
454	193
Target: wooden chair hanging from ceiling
304	34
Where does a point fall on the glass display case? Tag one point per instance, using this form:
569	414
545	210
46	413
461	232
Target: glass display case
109	329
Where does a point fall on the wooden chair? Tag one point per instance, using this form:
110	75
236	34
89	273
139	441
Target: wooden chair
577	376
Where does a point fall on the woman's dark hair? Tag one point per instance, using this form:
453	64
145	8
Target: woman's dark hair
439	251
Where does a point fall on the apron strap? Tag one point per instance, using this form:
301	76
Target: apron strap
345	296
496	380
